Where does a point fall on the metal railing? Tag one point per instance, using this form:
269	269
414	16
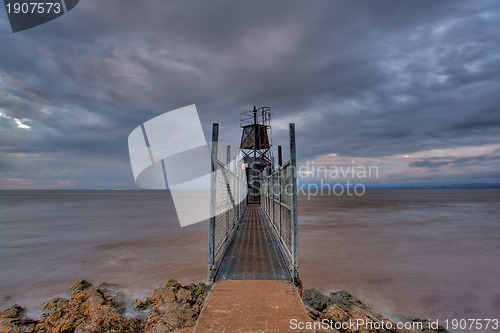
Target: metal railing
279	202
227	203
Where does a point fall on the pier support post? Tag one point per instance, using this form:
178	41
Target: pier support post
270	196
280	157
213	200
280	167
228	161
293	203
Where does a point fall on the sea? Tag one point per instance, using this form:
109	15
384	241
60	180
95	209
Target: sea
427	253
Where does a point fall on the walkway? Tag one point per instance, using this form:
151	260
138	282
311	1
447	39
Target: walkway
251	306
253	253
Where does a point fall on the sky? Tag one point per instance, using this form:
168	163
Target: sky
412	88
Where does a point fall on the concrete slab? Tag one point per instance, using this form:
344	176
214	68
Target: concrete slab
251	306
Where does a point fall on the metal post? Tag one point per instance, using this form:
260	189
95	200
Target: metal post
280	157
280	186
270	196
280	165
237	189
213	200
255	133
228	161
293	204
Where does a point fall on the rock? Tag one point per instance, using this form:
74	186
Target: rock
184	296
175	307
335	313
313	314
119	302
80	285
18	325
342	307
140	305
198	289
11	321
13	311
90	310
53	304
315	300
174	284
108	286
346	301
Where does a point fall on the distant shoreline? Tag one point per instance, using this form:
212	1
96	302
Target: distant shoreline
368	187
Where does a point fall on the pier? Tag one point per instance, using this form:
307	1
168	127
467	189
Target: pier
254	236
252	245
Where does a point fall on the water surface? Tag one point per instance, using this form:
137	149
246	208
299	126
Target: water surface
432	253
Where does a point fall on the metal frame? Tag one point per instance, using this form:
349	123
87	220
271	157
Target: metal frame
263	117
258	116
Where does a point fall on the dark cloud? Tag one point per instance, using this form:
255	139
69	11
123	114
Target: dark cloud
434	162
363	79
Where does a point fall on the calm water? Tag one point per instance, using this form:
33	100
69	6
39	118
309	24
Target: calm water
431	253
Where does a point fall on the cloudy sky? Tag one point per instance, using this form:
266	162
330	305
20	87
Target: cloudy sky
410	87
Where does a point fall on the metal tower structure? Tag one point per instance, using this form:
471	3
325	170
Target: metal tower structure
256	147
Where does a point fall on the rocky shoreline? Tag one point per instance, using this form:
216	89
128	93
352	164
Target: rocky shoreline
171	308
341	307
